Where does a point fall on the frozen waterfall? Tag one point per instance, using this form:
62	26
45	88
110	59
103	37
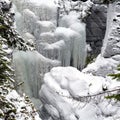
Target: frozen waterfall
65	43
30	68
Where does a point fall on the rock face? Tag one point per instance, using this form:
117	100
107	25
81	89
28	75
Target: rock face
111	45
95	27
110	54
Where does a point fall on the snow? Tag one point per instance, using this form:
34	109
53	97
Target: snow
5	1
107	67
61	84
21	104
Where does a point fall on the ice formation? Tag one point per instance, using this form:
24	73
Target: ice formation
40	18
63	84
30	68
36	21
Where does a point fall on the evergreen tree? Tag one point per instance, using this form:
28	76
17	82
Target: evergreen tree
5	69
9	38
115	76
7	109
7	30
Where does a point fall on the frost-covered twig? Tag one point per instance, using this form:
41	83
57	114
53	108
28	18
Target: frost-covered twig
82	98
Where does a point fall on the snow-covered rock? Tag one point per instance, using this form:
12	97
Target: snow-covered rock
103	66
63	84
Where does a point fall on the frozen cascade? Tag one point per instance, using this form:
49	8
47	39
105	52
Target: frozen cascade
30	68
39	18
111	45
57	45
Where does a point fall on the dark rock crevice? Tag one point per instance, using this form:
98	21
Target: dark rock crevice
96	27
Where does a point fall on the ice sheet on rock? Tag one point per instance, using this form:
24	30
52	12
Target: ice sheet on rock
47	37
36	12
29	38
70	19
75	52
54	112
54	51
111	40
30	68
43	27
45	10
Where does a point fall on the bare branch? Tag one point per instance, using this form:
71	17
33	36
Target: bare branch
82	98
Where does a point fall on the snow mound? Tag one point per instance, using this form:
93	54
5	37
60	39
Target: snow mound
62	85
103	66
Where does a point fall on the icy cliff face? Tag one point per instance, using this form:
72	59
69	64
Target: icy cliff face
110	51
60	38
112	38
